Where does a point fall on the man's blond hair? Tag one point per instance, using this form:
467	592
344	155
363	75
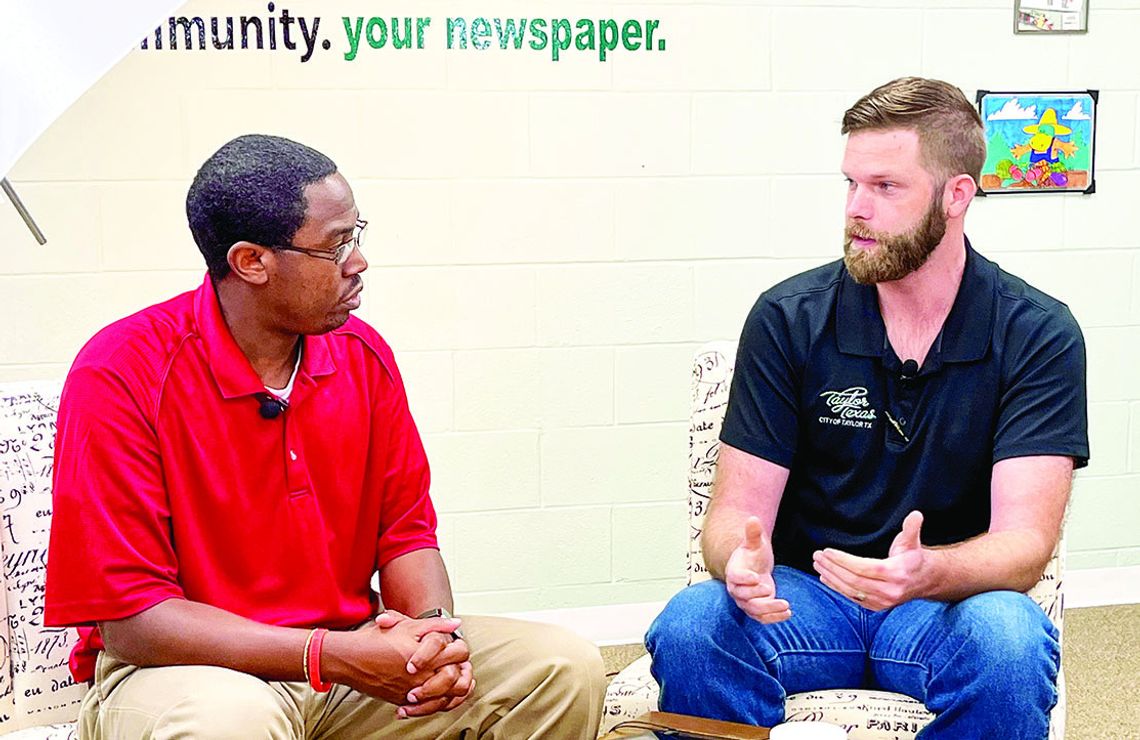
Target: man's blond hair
950	131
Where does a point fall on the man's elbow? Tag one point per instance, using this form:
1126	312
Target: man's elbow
710	555
129	640
1027	580
118	641
1040	554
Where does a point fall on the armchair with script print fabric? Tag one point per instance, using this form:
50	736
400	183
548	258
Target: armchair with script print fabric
867	715
36	688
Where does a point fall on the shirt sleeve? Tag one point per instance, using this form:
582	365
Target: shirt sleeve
110	554
1044	403
762	417
407	516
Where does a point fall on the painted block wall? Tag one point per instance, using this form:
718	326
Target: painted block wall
550	241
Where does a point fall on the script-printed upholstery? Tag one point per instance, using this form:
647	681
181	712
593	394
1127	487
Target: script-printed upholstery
36	688
867	715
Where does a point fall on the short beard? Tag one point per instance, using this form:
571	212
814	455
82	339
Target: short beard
895	255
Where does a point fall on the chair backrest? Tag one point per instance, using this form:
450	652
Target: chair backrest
35	684
712	376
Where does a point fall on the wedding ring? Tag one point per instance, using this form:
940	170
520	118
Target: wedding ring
860	596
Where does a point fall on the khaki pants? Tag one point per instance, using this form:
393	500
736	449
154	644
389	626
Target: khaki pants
532	681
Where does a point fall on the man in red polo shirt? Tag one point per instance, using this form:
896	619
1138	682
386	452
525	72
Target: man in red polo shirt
231	468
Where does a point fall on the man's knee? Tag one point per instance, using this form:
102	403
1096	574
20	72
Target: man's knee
1007	632
687	623
539	660
572	664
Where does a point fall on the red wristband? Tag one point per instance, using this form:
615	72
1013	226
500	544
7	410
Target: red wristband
313	662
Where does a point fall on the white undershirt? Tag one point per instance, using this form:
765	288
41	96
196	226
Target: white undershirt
283	393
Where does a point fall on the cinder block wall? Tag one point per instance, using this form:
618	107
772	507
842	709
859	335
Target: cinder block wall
552	240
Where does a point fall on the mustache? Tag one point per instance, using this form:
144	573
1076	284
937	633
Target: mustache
357	284
862	232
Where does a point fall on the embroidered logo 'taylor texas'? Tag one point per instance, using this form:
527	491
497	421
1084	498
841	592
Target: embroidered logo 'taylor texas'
850	408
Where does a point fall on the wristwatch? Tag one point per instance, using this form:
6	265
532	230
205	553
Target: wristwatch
439	611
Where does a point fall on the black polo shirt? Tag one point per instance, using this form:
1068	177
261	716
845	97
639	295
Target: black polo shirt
817	385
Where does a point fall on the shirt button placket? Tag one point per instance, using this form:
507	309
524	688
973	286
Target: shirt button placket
907	401
294	464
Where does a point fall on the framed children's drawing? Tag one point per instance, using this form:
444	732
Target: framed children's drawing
1038	142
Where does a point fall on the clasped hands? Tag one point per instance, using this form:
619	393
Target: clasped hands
870	582
414	664
440	665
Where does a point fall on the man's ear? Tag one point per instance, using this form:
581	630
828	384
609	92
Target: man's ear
957	194
248	262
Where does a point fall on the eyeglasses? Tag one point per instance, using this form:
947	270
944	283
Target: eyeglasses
341	252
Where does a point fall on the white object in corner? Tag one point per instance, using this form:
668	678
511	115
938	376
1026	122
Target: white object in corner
1102	586
615	624
808	731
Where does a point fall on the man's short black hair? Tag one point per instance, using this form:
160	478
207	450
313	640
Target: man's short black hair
252	189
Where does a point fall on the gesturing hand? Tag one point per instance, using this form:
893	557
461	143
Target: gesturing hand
878	584
748	576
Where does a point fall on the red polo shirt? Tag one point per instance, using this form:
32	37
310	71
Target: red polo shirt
168	483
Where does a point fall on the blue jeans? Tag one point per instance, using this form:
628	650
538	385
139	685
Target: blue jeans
986	666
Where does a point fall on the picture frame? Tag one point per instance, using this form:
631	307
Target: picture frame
1038	142
1050	16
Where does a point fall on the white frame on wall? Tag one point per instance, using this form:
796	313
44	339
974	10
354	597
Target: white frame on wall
1072	15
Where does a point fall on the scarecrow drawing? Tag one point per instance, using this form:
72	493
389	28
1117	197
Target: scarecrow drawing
1038	141
1043	145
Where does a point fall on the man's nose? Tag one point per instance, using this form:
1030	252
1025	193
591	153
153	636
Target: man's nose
858	203
356	262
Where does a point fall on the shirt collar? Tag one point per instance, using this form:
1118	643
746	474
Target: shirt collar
965	336
230	367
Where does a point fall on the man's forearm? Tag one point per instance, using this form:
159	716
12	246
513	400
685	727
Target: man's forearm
717	543
1011	560
744	486
181	632
416	582
369	659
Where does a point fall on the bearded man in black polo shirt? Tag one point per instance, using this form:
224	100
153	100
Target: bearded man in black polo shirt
896	459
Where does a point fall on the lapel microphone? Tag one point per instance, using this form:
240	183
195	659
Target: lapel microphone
909	370
271	406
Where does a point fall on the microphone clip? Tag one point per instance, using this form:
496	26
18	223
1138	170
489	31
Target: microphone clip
271	406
